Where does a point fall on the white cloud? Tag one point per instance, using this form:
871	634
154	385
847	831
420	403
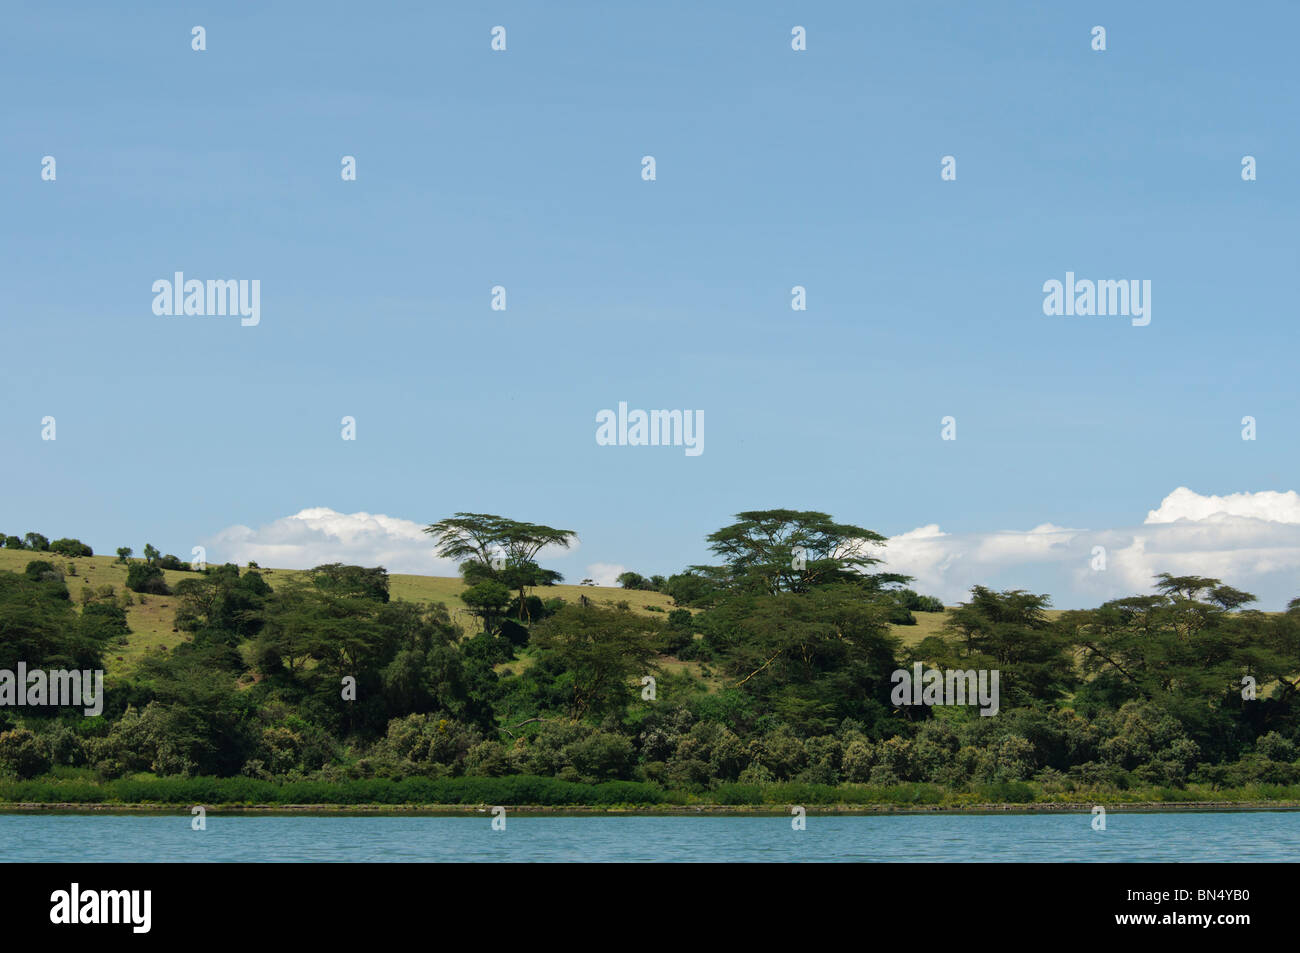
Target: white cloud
1266	505
322	535
1249	540
605	574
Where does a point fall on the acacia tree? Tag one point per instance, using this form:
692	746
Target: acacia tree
1008	631
1189	651
775	551
600	651
496	548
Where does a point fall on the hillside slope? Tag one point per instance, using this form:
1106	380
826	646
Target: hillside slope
150	617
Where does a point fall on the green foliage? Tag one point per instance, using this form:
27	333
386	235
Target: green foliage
352	581
696	589
70	547
146	578
634	580
36	542
221	604
21	755
488	600
500	549
38	625
600	651
1006	631
775	551
815	659
776	690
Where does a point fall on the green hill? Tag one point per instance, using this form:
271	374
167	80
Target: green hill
151	617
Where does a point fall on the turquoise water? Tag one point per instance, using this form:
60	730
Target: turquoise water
1236	836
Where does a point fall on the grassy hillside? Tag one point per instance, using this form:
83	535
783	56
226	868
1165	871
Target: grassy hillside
150	618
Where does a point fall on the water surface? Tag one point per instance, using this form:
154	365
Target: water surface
1220	837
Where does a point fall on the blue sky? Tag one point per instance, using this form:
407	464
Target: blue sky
775	168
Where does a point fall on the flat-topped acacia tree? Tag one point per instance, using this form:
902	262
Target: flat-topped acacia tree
495	547
777	551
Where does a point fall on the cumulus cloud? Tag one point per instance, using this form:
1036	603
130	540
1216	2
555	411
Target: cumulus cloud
319	535
1249	540
605	574
322	535
1266	505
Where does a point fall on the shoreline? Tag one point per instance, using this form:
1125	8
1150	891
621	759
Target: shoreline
692	810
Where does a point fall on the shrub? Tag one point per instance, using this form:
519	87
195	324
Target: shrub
70	547
1275	747
36	542
145	578
1006	792
39	570
22	755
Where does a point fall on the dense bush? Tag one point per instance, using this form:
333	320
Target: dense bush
146	578
70	547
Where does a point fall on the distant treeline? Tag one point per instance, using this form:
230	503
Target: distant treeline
775	668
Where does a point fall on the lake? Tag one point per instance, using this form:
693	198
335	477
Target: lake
1247	836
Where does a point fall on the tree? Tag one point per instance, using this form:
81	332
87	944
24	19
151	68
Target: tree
123	554
36	542
634	580
487	600
221	605
14	542
363	582
150	553
698	587
777	551
39	626
1187	650
600	650
1009	631
142	577
813	659
71	547
501	549
22	754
